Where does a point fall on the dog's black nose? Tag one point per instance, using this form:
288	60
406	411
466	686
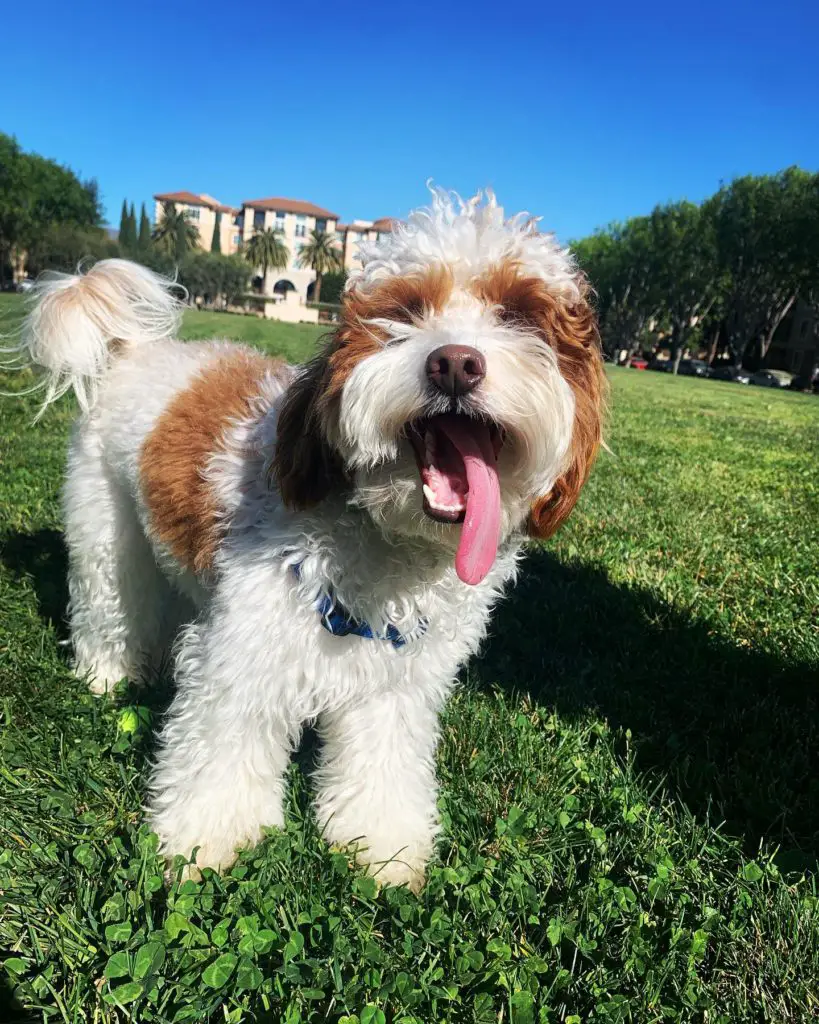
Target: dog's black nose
455	369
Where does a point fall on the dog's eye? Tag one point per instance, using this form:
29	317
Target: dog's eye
408	311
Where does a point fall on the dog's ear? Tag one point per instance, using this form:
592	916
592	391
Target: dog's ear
572	332
305	467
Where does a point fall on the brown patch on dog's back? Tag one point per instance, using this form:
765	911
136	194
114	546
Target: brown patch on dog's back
182	508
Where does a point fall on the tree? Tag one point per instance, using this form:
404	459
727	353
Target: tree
323	255
332	286
65	246
144	237
216	240
175	235
124	226
132	228
619	263
762	227
684	268
267	251
36	193
214	277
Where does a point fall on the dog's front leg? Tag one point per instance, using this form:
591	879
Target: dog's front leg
219	773
376	782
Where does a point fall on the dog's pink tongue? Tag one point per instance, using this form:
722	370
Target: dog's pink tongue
480	532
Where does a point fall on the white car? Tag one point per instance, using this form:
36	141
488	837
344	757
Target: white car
25	285
772	378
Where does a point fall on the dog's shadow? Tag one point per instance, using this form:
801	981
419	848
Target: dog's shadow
734	730
42	558
11	1012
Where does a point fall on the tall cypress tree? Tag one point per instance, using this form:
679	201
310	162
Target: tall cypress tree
144	239
132	228
123	226
216	241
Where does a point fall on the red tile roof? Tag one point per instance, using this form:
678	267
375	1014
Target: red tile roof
290	206
382	224
192	199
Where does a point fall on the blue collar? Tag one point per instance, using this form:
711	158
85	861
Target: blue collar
338	621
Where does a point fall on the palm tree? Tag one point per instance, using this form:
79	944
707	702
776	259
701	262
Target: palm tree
175	234
266	249
323	255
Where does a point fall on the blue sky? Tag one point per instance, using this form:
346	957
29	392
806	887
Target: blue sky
582	113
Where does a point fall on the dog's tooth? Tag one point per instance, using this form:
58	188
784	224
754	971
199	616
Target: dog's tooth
429	494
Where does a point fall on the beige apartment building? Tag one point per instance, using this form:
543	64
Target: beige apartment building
295	219
202	211
353	234
290	289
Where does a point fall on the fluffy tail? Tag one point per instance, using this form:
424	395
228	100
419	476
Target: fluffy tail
80	322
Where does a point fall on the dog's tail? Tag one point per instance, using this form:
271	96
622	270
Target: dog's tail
78	323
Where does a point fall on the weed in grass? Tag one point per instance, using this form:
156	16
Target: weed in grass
629	778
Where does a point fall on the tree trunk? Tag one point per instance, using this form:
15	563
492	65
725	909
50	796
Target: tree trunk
317	289
676	349
767	338
712	348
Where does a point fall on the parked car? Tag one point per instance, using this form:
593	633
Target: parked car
638	363
734	374
771	378
661	365
806	382
25	285
693	368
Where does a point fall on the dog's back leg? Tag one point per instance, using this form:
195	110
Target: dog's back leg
118	594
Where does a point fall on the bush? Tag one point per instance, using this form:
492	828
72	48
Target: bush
332	287
65	246
214	278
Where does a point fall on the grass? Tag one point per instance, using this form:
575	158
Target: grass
630	772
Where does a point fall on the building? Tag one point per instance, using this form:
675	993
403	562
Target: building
202	211
353	234
289	290
295	219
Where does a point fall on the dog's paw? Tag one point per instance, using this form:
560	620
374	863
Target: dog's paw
402	869
397	872
218	859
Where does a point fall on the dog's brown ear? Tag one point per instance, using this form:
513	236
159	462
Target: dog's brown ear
305	468
572	332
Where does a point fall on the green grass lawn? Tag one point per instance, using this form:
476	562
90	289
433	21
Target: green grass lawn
630	772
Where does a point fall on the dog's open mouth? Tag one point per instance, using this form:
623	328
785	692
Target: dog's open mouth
457	460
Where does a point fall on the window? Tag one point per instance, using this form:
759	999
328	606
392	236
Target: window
192	213
321	225
279	225
258	220
237	239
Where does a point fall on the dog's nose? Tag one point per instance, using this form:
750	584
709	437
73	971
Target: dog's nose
455	369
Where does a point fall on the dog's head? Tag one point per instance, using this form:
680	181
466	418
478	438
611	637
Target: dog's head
460	398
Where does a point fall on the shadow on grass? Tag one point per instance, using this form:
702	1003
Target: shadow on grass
42	557
11	1012
735	731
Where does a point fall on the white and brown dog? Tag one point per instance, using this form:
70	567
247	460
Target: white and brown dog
334	534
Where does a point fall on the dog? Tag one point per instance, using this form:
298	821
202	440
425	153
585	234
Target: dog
325	541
